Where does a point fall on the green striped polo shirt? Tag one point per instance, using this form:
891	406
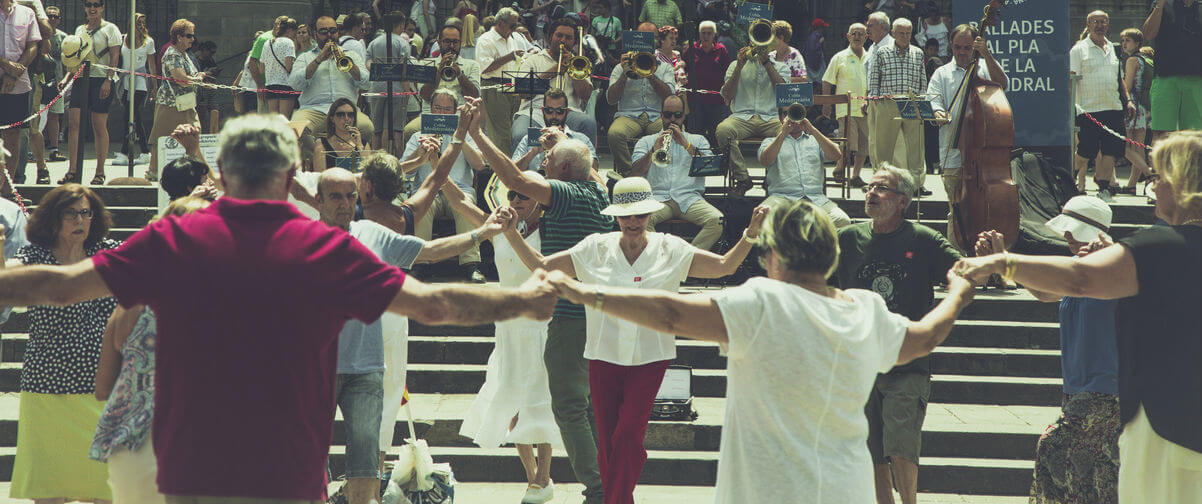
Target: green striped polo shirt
575	213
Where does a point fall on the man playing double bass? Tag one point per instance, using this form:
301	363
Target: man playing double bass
946	94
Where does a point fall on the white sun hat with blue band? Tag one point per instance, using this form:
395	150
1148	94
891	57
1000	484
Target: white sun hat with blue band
632	196
1084	216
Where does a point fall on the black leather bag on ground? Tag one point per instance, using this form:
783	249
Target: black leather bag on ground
1043	189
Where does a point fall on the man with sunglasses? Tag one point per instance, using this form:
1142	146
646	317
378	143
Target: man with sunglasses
467	83
795	167
671	185
555	112
638	102
316	75
902	261
552	64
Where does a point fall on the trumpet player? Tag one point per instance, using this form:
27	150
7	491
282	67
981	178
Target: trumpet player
552	64
664	159
638	95
750	88
555	112
317	76
455	73
795	168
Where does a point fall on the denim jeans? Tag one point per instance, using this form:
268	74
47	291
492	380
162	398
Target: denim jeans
361	399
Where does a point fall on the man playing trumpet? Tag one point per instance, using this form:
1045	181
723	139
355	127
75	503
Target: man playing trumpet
555	110
795	166
455	73
664	159
637	96
750	88
550	64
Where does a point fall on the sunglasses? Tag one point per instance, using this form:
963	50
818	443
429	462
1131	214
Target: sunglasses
327	31
344	115
517	195
54	16
189	36
91	5
555	110
672	115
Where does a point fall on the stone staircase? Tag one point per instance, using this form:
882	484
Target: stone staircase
995	385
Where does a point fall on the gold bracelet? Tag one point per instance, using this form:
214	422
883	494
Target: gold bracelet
1011	266
600	299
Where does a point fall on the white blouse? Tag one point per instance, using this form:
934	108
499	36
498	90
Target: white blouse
662	265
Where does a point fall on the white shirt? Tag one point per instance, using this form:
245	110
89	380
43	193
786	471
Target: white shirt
1099	70
542	61
328	83
490	46
638	97
377	52
140	57
942	92
461	173
662	265
886	40
537	161
106	36
673	182
349	43
467	66
275	54
800	367
798	170
756	95
246	80
937	31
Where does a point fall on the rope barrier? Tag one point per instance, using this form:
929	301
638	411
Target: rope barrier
16	194
1108	130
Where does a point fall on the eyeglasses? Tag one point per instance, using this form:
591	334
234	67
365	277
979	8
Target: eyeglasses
71	214
447	42
555	110
672	115
91	5
1099	22
54	16
517	195
881	188
327	31
344	115
442	110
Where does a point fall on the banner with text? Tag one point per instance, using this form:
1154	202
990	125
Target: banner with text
1031	42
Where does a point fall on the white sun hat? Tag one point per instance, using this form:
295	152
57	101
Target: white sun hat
632	196
1085	217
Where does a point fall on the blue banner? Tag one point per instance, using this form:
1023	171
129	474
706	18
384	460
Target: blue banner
798	92
706	166
1031	41
532	136
439	124
749	12
915	109
638	41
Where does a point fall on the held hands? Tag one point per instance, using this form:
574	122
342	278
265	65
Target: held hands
1102	242
470	112
501	219
566	286
549	137
757	221
978	269
990	242
960	286
539	295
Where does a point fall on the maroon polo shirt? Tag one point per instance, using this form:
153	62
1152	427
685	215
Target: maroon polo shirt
250	297
707	70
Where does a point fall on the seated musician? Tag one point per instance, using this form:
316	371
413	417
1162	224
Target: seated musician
750	88
555	111
671	183
942	90
546	65
466	82
636	102
795	168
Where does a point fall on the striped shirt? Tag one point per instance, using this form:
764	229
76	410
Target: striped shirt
895	72
575	213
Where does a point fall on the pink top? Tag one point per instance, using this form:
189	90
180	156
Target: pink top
250	297
18	28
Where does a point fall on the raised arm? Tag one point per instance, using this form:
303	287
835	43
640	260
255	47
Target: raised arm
707	264
423	197
1151	26
41	285
463	206
506	170
533	259
450	304
119	327
693	316
924	335
451	246
1108	273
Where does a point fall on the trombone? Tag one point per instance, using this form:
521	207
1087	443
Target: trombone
760	37
579	67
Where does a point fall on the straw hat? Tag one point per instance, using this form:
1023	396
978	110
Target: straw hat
1084	216
75	50
497	195
632	196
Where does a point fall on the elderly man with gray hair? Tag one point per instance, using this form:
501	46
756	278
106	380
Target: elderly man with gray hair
268	291
901	261
498	51
895	71
574	201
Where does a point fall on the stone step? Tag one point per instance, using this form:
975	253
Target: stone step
120	196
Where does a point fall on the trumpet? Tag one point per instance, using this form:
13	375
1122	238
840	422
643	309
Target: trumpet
448	73
662	157
796	112
640	65
342	61
760	37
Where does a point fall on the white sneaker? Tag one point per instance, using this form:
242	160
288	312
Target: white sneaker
120	159
143	158
538	495
1105	195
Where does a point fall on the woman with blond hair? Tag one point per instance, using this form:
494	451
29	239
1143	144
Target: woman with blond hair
782	442
1156	275
175	103
125	379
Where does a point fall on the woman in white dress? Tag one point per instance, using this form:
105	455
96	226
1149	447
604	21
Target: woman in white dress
801	360
514	405
627	363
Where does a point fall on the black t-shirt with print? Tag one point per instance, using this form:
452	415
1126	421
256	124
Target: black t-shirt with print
902	266
1160	334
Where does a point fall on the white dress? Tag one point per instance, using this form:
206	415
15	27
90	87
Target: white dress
516	379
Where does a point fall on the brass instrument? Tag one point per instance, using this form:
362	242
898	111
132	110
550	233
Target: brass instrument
662	157
796	112
641	65
449	73
343	61
579	66
760	37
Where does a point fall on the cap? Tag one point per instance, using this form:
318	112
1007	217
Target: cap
819	23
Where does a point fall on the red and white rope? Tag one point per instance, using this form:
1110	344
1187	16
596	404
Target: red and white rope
1112	132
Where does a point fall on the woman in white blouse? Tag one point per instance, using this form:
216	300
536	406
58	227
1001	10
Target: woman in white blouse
277	60
626	362
801	360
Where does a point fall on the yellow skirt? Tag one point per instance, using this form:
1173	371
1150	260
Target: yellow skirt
54	437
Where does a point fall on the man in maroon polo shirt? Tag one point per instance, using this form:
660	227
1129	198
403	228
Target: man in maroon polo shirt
250	296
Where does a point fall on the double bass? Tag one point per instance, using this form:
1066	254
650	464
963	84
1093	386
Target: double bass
984	134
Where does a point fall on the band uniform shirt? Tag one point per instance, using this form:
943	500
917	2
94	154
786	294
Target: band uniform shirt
639	97
328	83
798	170
542	61
491	46
461	173
673	182
537	160
469	68
756	96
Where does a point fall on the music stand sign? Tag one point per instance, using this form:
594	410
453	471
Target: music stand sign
398	72
749	12
636	41
439	124
799	92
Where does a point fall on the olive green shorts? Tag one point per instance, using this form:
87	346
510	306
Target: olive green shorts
896	409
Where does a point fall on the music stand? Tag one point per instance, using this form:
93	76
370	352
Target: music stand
707	166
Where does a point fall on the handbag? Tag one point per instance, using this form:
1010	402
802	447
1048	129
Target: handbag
183	102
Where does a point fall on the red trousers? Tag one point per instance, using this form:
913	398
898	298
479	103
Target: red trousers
622	399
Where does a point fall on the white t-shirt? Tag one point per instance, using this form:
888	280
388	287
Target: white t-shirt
105	37
275	54
799	369
140	57
662	266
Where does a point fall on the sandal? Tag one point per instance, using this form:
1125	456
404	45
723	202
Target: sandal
43	177
71	178
839	176
98	180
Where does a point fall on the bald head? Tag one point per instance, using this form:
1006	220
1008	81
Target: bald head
648	27
337	195
334	176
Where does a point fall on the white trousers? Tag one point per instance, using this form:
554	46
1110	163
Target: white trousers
1151	468
132	476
